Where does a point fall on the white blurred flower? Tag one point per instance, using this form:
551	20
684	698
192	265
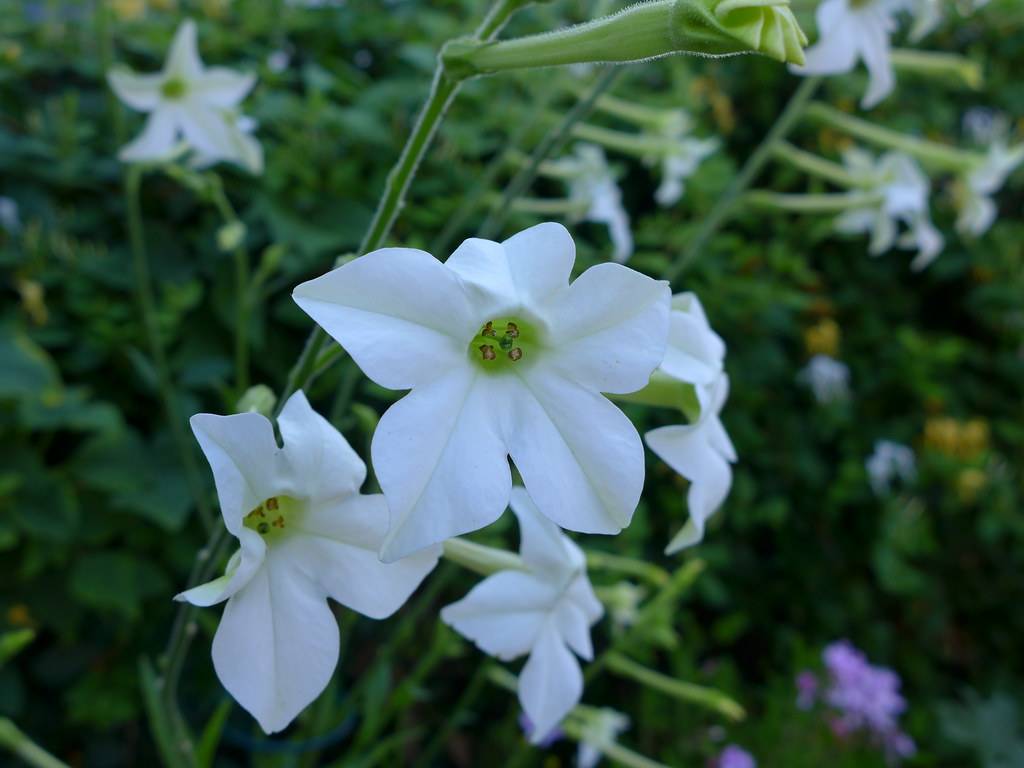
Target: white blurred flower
902	188
505	358
890	461
305	534
682	158
600	728
927	15
278	61
977	209
849	30
188	100
592	184
545	611
828	379
10	221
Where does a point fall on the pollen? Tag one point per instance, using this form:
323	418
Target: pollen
286	511
502	342
488	329
515	354
487	352
272	504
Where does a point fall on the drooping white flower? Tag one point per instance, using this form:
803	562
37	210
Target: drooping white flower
977	209
189	101
682	157
305	534
601	727
890	461
10	220
545	611
902	189
849	30
504	359
592	184
828	378
701	452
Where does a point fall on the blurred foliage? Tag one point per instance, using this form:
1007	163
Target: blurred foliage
97	527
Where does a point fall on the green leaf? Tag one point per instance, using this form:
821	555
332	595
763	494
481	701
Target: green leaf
116	582
12	643
26	370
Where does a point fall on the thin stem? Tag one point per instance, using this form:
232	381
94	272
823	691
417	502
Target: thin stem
938	65
827	203
549	145
558	206
938	156
442	93
815	165
727	203
243	289
480	558
606	561
147	308
14	740
639	115
638	145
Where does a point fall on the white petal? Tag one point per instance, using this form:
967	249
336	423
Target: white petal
322	463
874	46
223	88
238	572
210	131
277	644
856	221
581	459
542	544
402	315
581	593
550	684
503	614
695	352
441	460
610	328
573	626
141	92
157	140
183	58
351	573
836	49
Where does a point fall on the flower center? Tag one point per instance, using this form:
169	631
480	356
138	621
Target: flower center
503	343
274	517
173	88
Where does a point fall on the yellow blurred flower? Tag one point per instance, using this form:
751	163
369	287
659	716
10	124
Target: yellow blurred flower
969	483
215	9
127	10
823	338
974	438
33	300
10	51
942	434
164	5
18	616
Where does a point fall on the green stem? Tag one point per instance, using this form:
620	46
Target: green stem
639	115
549	206
442	93
827	203
549	145
937	156
147	308
940	66
815	165
637	145
696	694
243	289
606	561
15	741
728	202
480	558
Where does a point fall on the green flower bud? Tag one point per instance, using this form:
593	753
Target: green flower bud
257	399
644	31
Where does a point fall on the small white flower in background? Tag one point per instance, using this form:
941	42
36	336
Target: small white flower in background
903	190
927	15
305	534
682	159
849	30
888	462
828	379
592	184
545	611
601	727
504	359
10	221
278	61
977	209
189	101
700	452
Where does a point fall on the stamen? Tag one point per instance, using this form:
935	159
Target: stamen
488	329
515	354
487	351
272	503
512	330
263	528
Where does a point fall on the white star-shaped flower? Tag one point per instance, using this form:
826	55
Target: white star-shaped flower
849	30
682	157
902	188
977	209
828	378
305	534
504	359
889	461
545	611
190	101
592	184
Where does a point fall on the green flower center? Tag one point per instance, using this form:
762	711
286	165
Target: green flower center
274	518
503	343
173	88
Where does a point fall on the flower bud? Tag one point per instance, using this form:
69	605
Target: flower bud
643	31
257	399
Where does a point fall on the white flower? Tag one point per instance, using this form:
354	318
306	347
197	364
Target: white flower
504	358
278	61
545	611
889	460
682	158
849	30
592	184
306	534
187	100
977	210
828	379
695	353
903	189
601	727
701	452
927	16
10	221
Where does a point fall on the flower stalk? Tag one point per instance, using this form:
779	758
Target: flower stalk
701	695
941	66
15	741
481	559
824	203
814	165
